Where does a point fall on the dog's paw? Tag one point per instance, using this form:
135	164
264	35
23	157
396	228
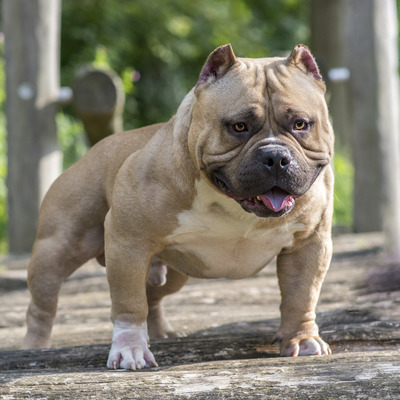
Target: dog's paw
130	347
164	332
158	325
158	273
312	346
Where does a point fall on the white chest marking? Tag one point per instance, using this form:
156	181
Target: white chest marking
230	242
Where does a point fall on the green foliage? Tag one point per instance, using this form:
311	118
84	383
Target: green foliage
166	42
158	47
71	139
344	174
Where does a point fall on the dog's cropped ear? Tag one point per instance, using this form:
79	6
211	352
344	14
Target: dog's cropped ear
217	64
302	58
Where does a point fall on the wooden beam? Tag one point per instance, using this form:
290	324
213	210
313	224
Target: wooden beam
344	375
98	97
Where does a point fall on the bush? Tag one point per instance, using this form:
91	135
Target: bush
165	42
71	139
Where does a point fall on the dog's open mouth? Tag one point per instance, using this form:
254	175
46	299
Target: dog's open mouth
275	199
274	202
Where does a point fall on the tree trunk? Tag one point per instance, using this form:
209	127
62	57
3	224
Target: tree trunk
31	30
386	31
374	90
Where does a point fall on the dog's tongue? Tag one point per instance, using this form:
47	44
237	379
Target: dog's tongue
275	199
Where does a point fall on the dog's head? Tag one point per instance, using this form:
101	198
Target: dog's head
260	130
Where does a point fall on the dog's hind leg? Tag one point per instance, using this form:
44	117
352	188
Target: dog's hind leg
53	259
162	281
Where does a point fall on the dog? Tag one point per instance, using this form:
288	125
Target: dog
241	174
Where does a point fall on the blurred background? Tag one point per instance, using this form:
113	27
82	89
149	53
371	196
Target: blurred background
153	51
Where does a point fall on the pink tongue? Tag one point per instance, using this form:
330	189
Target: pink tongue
275	199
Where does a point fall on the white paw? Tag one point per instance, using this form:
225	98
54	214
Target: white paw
313	346
130	348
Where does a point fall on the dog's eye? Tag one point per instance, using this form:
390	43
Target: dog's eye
240	127
300	125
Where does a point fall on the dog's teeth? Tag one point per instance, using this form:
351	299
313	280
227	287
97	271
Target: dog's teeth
258	198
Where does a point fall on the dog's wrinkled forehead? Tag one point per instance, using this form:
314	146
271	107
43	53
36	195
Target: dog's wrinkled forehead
228	81
262	81
266	95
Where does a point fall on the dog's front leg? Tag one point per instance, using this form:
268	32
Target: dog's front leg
301	273
127	264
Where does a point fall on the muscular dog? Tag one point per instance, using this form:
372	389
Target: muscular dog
239	175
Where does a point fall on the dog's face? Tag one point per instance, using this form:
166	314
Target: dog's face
260	130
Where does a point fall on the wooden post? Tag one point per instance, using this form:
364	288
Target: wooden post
371	41
98	97
31	29
327	45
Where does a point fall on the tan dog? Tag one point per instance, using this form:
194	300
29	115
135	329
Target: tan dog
239	175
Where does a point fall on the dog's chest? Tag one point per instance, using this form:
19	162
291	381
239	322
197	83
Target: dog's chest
218	239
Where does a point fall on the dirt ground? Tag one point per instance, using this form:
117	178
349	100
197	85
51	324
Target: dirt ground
228	351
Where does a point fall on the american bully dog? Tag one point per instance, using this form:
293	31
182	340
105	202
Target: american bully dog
241	174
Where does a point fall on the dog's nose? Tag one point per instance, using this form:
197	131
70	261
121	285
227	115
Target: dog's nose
276	159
